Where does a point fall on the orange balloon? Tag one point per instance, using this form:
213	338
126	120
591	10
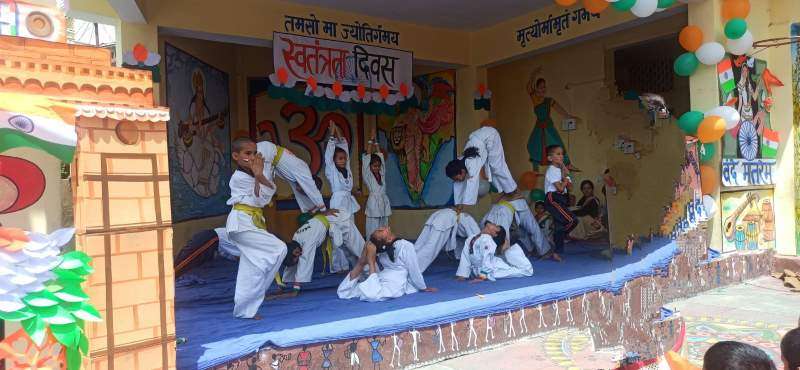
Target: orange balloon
711	129
735	9
708	179
528	180
566	2
691	37
595	6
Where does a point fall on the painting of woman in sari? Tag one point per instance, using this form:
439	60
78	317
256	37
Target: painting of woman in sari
544	132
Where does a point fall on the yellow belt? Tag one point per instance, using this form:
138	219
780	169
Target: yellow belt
278	156
254	212
507	205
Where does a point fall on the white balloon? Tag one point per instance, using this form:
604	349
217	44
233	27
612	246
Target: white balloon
728	113
710	53
483	188
644	8
742	45
710	205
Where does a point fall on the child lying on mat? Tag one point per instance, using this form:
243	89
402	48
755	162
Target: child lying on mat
488	256
400	275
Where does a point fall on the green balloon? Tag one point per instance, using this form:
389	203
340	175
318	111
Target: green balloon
536	195
623	5
735	28
686	64
663	4
706	151
690	121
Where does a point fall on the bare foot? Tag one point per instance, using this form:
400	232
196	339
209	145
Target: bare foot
556	257
256	317
282	294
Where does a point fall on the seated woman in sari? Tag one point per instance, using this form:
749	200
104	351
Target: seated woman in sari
589	212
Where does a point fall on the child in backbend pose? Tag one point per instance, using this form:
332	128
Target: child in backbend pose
556	182
373	172
337	170
483	149
261	252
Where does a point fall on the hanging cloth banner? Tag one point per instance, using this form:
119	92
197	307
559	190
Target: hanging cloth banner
386	72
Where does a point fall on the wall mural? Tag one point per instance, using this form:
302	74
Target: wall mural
795	32
199	136
419	143
301	129
748	220
749	149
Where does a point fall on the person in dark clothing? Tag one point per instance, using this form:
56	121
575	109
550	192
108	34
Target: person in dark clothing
589	212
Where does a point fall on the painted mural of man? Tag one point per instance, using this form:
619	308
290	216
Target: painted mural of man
198	150
413	147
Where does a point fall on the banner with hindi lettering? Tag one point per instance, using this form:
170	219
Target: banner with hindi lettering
329	61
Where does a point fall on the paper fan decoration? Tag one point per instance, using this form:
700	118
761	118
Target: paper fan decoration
748	140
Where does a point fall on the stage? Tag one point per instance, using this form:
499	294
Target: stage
214	337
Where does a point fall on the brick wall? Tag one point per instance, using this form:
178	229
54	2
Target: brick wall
130	244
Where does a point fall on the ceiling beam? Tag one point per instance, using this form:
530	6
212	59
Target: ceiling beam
128	11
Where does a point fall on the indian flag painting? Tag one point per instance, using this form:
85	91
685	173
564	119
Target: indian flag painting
726	81
769	143
37	122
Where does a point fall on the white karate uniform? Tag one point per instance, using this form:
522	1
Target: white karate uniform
532	236
442	230
342	227
491	156
225	245
399	277
378	207
261	252
483	261
310	236
295	171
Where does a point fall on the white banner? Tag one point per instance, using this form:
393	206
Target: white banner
351	64
741	172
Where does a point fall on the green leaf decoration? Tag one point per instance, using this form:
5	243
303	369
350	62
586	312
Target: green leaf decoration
74	259
53	287
72	293
18	315
68	334
71	306
87	313
55	315
83	344
36	330
68	275
41	299
74	359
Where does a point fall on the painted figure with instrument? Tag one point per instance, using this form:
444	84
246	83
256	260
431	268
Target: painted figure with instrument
198	150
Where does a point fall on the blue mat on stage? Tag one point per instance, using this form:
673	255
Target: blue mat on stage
204	303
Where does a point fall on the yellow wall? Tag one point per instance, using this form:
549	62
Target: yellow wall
637	208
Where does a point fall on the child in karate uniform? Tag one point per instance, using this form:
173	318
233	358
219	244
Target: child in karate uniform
483	149
400	275
295	171
441	231
261	252
310	236
337	170
373	172
506	213
556	182
487	256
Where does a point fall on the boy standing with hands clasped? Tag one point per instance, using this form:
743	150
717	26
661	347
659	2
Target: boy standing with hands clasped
556	182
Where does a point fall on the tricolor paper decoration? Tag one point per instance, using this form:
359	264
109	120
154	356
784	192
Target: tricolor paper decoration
769	143
726	81
37	122
483	98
